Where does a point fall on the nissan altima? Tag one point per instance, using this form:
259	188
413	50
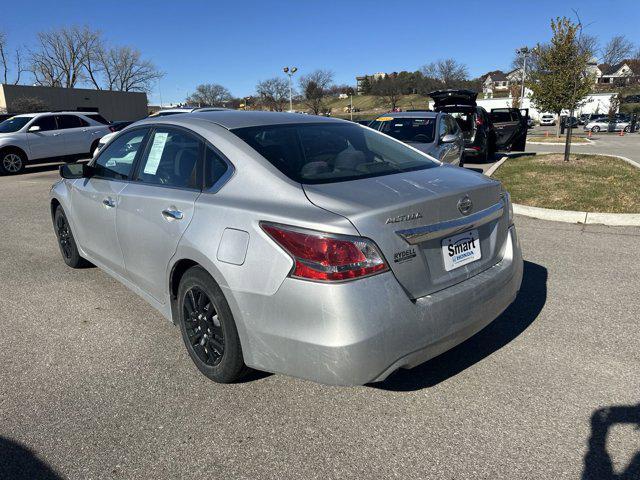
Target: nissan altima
303	245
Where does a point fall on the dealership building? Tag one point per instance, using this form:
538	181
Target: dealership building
110	104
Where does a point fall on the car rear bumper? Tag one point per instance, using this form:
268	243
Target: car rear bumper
359	332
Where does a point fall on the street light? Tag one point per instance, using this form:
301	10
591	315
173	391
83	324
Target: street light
290	72
525	52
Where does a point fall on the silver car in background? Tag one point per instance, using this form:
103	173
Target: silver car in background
434	133
303	245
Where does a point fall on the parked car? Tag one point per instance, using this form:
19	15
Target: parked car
603	125
297	244
47	136
436	134
484	133
114	128
173	111
547	119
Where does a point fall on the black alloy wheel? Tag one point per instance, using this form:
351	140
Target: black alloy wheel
203	327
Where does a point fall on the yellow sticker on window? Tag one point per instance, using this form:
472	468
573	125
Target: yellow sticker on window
384	119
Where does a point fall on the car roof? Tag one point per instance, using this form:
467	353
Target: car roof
424	114
31	115
231	119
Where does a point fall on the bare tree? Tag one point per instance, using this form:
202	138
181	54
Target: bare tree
617	49
448	71
314	88
61	54
209	95
5	62
273	93
131	72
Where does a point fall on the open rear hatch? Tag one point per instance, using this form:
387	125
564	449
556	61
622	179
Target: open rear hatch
415	217
453	100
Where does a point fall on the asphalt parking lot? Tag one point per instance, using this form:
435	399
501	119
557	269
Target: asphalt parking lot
94	383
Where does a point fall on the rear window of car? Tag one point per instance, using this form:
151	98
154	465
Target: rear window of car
419	130
328	153
97	117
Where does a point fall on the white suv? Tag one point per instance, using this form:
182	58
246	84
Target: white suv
41	136
547	119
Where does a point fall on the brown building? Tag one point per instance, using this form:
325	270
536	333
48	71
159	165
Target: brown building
110	104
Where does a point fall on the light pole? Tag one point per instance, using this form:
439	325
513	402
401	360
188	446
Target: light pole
524	51
290	72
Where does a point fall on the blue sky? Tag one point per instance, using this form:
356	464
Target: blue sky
239	43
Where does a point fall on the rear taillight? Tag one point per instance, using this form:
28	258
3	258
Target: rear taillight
327	257
112	129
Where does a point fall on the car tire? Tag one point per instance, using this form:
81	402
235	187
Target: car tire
66	241
12	161
208	329
595	129
627	129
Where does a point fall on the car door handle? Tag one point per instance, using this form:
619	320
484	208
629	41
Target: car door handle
108	202
171	214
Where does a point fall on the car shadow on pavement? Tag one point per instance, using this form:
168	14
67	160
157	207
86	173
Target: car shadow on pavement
597	461
513	321
18	462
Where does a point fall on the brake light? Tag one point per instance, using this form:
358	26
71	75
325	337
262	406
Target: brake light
327	257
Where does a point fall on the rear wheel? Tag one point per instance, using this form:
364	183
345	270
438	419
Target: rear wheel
627	129
595	129
66	242
208	328
12	161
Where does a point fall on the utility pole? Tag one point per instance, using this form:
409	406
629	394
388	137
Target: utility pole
351	107
290	72
524	51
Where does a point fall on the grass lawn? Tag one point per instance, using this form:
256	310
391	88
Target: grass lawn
369	104
554	139
591	183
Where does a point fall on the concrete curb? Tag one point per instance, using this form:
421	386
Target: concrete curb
570	216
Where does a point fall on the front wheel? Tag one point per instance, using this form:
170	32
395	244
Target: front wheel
595	129
66	242
12	162
627	129
208	328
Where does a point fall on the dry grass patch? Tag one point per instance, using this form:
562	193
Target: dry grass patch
592	183
554	139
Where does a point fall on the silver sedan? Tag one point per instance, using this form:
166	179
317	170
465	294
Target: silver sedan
302	245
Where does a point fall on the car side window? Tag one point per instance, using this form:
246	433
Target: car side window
46	123
172	158
443	128
68	121
214	167
116	160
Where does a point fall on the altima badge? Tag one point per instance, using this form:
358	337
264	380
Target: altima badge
404	218
465	205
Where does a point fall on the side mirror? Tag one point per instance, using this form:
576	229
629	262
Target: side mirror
34	128
72	171
449	138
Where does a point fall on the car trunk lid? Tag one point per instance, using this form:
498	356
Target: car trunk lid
409	215
453	100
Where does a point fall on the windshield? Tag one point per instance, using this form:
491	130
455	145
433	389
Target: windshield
420	130
325	153
13	124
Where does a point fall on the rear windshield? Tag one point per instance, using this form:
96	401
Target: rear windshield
326	153
97	117
14	124
420	130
